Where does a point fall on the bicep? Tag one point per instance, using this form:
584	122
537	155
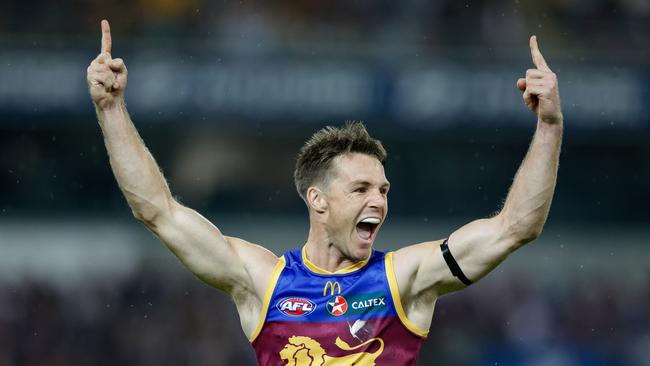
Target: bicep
203	249
477	247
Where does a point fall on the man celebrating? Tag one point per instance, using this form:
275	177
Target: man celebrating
335	301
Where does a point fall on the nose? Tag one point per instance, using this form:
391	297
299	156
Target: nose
377	199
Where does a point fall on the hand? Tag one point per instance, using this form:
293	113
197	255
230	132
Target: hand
106	76
540	88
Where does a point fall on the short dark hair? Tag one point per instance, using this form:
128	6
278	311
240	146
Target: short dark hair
316	155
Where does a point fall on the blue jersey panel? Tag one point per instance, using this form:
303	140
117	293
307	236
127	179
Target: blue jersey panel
302	295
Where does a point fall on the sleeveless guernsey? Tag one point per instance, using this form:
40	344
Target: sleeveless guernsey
312	317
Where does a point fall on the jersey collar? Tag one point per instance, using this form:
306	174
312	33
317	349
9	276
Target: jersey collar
314	268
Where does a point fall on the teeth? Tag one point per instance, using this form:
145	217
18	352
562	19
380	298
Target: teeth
371	220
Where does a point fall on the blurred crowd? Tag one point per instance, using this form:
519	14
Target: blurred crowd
606	22
156	319
149	320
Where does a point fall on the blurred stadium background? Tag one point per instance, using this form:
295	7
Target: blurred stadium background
225	92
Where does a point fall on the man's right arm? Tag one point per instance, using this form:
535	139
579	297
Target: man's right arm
230	264
203	249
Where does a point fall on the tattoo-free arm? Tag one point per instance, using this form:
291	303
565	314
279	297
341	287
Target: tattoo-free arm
233	265
479	246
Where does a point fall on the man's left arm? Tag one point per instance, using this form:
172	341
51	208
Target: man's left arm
423	273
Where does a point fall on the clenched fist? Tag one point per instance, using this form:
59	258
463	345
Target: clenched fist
106	75
540	88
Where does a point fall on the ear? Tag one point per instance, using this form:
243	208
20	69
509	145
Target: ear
316	199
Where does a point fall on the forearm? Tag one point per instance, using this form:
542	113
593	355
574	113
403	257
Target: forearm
529	199
135	169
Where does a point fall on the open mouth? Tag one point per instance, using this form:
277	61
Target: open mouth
367	227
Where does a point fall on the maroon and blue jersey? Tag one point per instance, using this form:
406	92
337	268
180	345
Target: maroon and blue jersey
312	317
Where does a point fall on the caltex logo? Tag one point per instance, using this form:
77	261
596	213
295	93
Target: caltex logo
337	306
295	306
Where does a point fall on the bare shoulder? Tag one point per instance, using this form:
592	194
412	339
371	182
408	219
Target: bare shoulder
252	253
412	262
258	261
417	271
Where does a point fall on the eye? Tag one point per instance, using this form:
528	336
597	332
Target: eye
360	190
383	191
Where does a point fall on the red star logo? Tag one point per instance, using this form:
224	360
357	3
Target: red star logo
337	306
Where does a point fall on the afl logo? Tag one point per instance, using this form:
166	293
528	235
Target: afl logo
337	306
295	306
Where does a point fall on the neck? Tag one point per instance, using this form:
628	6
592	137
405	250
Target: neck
322	251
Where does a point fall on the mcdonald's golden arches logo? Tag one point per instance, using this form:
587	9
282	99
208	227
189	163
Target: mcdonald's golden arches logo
332	286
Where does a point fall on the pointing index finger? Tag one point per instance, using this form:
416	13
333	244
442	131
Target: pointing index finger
106	37
538	59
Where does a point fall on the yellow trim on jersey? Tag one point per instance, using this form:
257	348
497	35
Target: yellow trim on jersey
267	296
316	269
397	299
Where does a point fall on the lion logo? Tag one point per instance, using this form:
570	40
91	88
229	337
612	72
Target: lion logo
304	351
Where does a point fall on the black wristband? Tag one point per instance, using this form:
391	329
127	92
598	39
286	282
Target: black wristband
453	265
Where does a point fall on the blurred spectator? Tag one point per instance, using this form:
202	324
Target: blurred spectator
157	319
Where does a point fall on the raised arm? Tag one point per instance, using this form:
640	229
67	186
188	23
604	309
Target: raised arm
230	264
481	245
